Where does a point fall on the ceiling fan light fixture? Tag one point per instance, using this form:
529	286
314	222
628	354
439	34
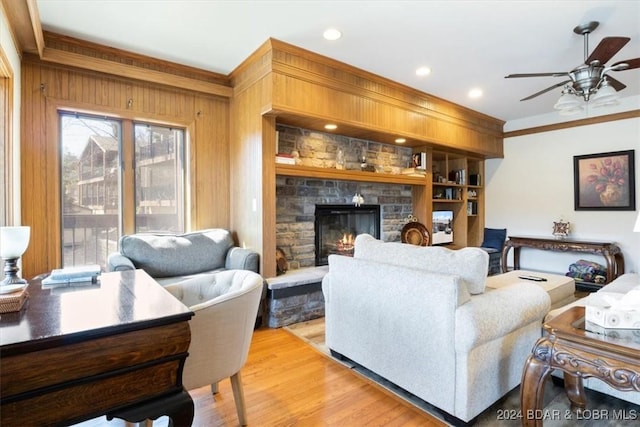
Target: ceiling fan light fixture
567	101
606	95
589	81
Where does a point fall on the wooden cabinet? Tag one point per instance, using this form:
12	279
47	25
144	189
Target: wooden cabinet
454	184
457	186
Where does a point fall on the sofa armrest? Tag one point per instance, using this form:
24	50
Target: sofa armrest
242	259
499	312
119	262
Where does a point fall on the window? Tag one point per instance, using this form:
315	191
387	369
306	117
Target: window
159	179
115	183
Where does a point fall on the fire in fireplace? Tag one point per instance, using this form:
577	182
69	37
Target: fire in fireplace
336	227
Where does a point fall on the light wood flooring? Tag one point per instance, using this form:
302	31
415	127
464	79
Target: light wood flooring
289	383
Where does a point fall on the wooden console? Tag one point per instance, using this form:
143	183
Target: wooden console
609	250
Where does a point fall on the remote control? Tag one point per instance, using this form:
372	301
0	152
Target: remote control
534	278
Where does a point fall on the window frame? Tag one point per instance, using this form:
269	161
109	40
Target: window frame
126	166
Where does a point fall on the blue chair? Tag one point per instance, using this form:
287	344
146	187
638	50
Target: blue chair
493	243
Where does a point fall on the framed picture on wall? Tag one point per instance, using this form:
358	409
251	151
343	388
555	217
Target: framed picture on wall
605	181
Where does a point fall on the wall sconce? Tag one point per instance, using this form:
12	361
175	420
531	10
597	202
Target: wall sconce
13	243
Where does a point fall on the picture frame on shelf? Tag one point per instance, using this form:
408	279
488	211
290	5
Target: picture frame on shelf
605	181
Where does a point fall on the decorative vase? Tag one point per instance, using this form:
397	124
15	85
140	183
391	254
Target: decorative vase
612	195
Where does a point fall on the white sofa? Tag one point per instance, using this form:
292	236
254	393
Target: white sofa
419	317
620	285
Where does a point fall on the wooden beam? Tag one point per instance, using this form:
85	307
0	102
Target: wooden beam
110	67
34	16
20	26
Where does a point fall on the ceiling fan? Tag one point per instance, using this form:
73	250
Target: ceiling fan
590	77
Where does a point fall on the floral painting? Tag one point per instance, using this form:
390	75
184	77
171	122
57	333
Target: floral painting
605	181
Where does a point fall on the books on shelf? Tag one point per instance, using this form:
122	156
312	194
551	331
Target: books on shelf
475	179
419	160
458	176
286	159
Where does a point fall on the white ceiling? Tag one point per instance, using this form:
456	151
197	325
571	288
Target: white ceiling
467	44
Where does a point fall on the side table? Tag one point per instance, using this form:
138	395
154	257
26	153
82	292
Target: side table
610	251
579	353
115	348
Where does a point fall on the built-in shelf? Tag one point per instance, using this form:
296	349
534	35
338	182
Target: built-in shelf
447	184
347	175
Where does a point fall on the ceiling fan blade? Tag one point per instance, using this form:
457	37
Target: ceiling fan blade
616	84
560	74
608	47
633	63
545	90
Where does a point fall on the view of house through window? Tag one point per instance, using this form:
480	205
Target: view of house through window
159	179
114	183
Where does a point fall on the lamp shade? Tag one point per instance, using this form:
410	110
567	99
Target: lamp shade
14	241
636	227
606	95
567	102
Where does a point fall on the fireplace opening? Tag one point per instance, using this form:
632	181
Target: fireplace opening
336	227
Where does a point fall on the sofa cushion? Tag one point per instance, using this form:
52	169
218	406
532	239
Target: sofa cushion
165	255
470	264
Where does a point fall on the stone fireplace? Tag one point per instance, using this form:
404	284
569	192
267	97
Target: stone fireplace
297	197
297	295
336	227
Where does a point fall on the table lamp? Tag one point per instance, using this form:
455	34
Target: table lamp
13	243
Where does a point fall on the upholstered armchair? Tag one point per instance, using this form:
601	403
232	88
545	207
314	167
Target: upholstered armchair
172	258
225	307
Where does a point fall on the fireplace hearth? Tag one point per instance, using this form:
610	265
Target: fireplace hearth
336	227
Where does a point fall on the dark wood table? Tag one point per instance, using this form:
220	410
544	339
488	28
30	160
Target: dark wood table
115	348
579	353
610	251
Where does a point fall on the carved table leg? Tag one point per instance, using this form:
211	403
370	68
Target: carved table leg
534	375
516	258
575	392
503	260
611	267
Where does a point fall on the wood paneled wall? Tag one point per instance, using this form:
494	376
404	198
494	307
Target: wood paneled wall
48	88
311	85
252	160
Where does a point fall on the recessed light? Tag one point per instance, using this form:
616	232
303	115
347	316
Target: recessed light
330	126
423	71
332	34
401	140
475	93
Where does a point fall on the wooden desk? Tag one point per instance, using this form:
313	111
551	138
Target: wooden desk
609	250
116	348
579	354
